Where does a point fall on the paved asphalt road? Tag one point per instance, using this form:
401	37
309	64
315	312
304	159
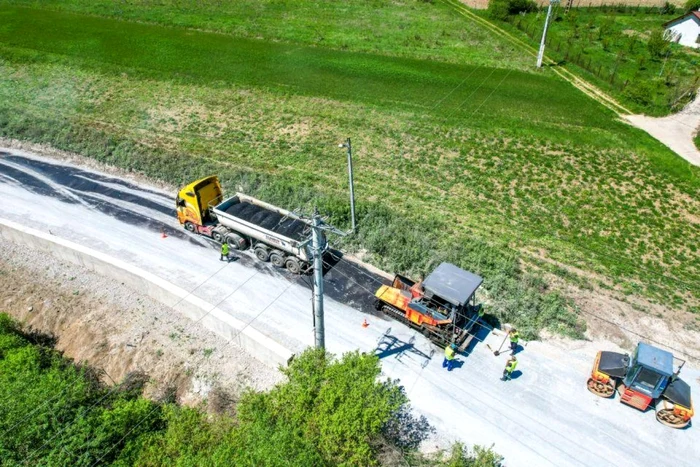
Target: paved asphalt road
545	416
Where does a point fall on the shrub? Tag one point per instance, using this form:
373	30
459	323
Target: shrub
656	44
668	9
692	5
501	9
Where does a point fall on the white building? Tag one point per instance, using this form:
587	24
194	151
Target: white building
685	30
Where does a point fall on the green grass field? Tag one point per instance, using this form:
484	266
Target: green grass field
424	29
503	171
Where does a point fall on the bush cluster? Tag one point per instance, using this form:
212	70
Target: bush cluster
692	5
328	412
501	9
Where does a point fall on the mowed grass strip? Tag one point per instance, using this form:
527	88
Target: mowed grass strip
480	96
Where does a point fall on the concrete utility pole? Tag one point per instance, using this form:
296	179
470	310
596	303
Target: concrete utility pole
540	54
318	247
348	145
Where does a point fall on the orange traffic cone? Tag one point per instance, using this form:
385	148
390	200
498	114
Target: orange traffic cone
365	323
163	234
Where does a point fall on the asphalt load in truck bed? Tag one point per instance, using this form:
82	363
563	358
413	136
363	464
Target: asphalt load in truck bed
290	228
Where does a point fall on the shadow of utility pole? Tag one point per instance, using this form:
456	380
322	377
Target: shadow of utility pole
389	345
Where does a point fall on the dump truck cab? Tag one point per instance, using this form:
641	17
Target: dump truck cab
647	378
443	306
194	205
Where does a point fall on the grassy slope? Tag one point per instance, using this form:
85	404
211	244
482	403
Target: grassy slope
459	145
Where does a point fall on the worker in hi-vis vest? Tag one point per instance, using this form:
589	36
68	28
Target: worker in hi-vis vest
510	367
514	339
224	252
449	360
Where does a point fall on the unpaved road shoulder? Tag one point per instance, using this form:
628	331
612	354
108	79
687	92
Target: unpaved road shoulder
103	322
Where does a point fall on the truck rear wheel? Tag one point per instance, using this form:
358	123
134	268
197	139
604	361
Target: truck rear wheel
262	254
217	236
293	265
236	242
277	259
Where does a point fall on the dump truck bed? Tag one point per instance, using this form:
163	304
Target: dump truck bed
270	220
266	223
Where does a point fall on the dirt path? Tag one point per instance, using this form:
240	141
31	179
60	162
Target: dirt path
675	131
104	323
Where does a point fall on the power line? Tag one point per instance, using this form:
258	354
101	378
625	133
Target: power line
420	373
493	91
579	309
455	88
373	295
471	94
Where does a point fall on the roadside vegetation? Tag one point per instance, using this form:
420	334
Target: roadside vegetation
329	412
619	48
507	173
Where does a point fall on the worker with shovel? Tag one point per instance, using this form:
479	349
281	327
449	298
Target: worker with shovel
510	367
514	339
449	360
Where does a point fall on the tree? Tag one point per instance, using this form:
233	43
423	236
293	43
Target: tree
692	5
656	44
337	406
501	9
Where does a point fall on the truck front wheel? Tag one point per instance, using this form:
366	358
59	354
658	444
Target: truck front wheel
189	226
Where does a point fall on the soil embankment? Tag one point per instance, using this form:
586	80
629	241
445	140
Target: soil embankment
103	322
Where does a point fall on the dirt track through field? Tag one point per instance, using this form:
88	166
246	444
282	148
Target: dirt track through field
675	131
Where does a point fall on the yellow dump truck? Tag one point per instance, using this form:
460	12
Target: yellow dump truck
274	234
